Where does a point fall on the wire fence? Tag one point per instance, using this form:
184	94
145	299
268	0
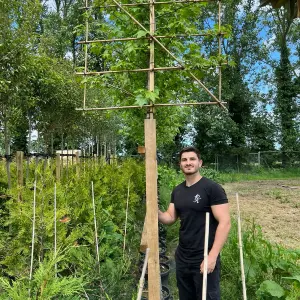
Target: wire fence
261	159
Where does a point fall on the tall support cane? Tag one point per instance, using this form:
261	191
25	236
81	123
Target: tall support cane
55	231
142	279
241	247
126	218
95	224
33	234
204	286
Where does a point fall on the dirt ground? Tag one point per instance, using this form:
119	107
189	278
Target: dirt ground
274	205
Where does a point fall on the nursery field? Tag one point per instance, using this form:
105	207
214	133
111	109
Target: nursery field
273	204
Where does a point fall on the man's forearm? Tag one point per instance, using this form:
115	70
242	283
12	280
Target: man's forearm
165	218
220	238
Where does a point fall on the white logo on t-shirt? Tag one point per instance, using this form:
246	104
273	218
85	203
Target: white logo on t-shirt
197	198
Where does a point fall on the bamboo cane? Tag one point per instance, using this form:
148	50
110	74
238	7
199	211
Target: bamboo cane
204	287
55	231
241	248
124	244
95	224
33	235
142	279
148	105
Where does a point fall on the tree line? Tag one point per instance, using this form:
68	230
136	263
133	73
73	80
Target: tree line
39	90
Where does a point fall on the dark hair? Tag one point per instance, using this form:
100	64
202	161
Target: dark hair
190	149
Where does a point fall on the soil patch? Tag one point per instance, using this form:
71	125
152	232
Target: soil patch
273	204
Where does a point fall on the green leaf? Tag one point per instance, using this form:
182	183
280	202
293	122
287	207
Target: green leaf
296	277
271	288
141	33
141	100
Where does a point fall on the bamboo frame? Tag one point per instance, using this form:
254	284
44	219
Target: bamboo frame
153	38
204	286
241	247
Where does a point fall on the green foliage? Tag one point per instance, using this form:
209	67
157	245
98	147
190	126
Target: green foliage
266	265
78	266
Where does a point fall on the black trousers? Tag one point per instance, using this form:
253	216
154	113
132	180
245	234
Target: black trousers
190	280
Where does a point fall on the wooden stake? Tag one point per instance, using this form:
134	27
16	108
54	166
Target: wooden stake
152	209
204	287
96	229
33	231
126	217
55	232
241	247
142	279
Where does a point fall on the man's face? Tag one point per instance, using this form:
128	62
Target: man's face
190	163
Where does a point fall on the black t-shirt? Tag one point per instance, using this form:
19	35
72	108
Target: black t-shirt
191	204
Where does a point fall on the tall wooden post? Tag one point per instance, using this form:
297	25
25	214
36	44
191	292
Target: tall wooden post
151	181
152	210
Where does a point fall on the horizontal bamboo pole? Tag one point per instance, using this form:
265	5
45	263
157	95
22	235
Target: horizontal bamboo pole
131	71
148	105
147	3
147	37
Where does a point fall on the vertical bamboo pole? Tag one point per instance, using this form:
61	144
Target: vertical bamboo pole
241	247
86	50
220	51
151	179
55	231
57	167
33	231
204	287
126	218
142	280
95	225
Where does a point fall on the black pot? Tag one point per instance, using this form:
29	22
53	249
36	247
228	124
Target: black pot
165	291
164	272
164	259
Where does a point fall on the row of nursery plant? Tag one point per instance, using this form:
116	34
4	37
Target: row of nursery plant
30	266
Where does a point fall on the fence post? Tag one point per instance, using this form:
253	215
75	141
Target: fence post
258	158
57	167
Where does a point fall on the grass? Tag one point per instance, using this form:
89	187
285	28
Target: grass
260	174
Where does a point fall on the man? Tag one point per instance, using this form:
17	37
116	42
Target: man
190	201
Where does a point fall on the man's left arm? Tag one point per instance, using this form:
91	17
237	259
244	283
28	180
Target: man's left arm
222	215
